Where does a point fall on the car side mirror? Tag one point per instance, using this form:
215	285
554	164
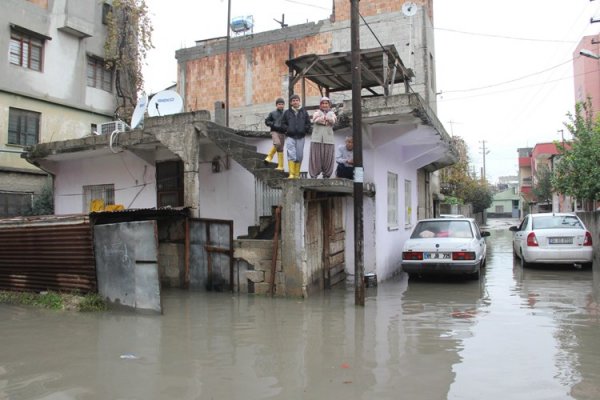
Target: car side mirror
513	228
485	234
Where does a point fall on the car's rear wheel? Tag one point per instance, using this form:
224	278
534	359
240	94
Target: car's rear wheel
475	275
524	264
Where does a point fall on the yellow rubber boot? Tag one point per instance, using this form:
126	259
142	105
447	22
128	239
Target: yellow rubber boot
279	161
296	170
291	166
269	156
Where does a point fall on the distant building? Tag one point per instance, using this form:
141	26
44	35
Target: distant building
505	204
586	78
53	86
531	160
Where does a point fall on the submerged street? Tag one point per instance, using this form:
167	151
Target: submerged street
515	334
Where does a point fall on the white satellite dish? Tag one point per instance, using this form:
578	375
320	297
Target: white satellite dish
166	102
138	113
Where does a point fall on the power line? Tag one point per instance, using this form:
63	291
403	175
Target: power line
509	81
307	4
505	37
518	88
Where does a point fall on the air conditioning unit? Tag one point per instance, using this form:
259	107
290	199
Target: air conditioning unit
108	128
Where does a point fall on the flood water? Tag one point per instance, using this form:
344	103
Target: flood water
515	334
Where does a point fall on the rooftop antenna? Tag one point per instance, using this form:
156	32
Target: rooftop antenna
282	22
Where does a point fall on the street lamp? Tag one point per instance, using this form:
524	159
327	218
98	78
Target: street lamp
588	53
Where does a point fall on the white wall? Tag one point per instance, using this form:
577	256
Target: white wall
388	243
134	181
228	195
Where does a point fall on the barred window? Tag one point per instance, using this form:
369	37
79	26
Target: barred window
98	75
13	204
23	127
25	50
104	193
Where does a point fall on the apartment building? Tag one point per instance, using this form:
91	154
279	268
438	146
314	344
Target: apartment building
53	86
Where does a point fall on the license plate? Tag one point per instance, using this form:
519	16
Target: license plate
560	240
436	256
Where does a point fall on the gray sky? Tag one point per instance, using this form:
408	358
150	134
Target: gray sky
504	67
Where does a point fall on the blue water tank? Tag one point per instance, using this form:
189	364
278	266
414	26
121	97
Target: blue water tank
242	24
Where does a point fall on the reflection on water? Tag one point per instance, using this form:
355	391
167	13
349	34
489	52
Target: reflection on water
514	334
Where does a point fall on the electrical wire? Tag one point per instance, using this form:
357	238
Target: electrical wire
509	81
504	37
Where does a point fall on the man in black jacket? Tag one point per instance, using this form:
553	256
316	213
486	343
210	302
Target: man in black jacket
296	124
273	121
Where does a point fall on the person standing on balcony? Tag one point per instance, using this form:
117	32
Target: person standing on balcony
322	144
296	124
273	121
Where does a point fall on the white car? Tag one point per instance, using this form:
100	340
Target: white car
445	246
552	238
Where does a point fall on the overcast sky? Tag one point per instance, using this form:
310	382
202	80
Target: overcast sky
504	67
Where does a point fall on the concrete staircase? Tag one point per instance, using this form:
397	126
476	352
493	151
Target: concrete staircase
246	155
253	161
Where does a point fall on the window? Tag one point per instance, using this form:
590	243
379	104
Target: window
392	200
407	203
23	127
26	50
106	10
169	183
98	75
98	193
15	204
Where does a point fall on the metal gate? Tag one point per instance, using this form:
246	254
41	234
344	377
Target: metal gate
210	254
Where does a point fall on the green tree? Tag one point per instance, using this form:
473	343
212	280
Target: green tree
459	185
479	195
43	204
577	172
128	40
455	178
542	188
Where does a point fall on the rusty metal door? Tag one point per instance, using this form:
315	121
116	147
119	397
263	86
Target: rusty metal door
210	254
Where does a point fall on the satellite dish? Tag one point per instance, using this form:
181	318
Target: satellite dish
166	102
138	113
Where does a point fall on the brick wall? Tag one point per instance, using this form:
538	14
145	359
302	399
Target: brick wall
205	77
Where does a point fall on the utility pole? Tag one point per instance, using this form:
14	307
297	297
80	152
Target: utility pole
484	152
359	267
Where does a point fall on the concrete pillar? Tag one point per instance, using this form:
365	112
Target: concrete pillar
220	113
292	238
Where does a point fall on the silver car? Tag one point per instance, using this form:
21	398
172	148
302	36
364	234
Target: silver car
445	246
552	238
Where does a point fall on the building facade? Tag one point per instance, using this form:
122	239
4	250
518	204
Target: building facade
586	78
53	86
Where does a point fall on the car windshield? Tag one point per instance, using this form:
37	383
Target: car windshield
556	222
439	229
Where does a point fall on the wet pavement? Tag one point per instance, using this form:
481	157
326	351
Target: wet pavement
515	334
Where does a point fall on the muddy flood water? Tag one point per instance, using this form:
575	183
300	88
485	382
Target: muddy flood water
515	334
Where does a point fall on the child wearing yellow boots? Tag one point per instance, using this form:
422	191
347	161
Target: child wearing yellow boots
273	121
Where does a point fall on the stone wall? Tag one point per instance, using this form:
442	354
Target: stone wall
252	260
